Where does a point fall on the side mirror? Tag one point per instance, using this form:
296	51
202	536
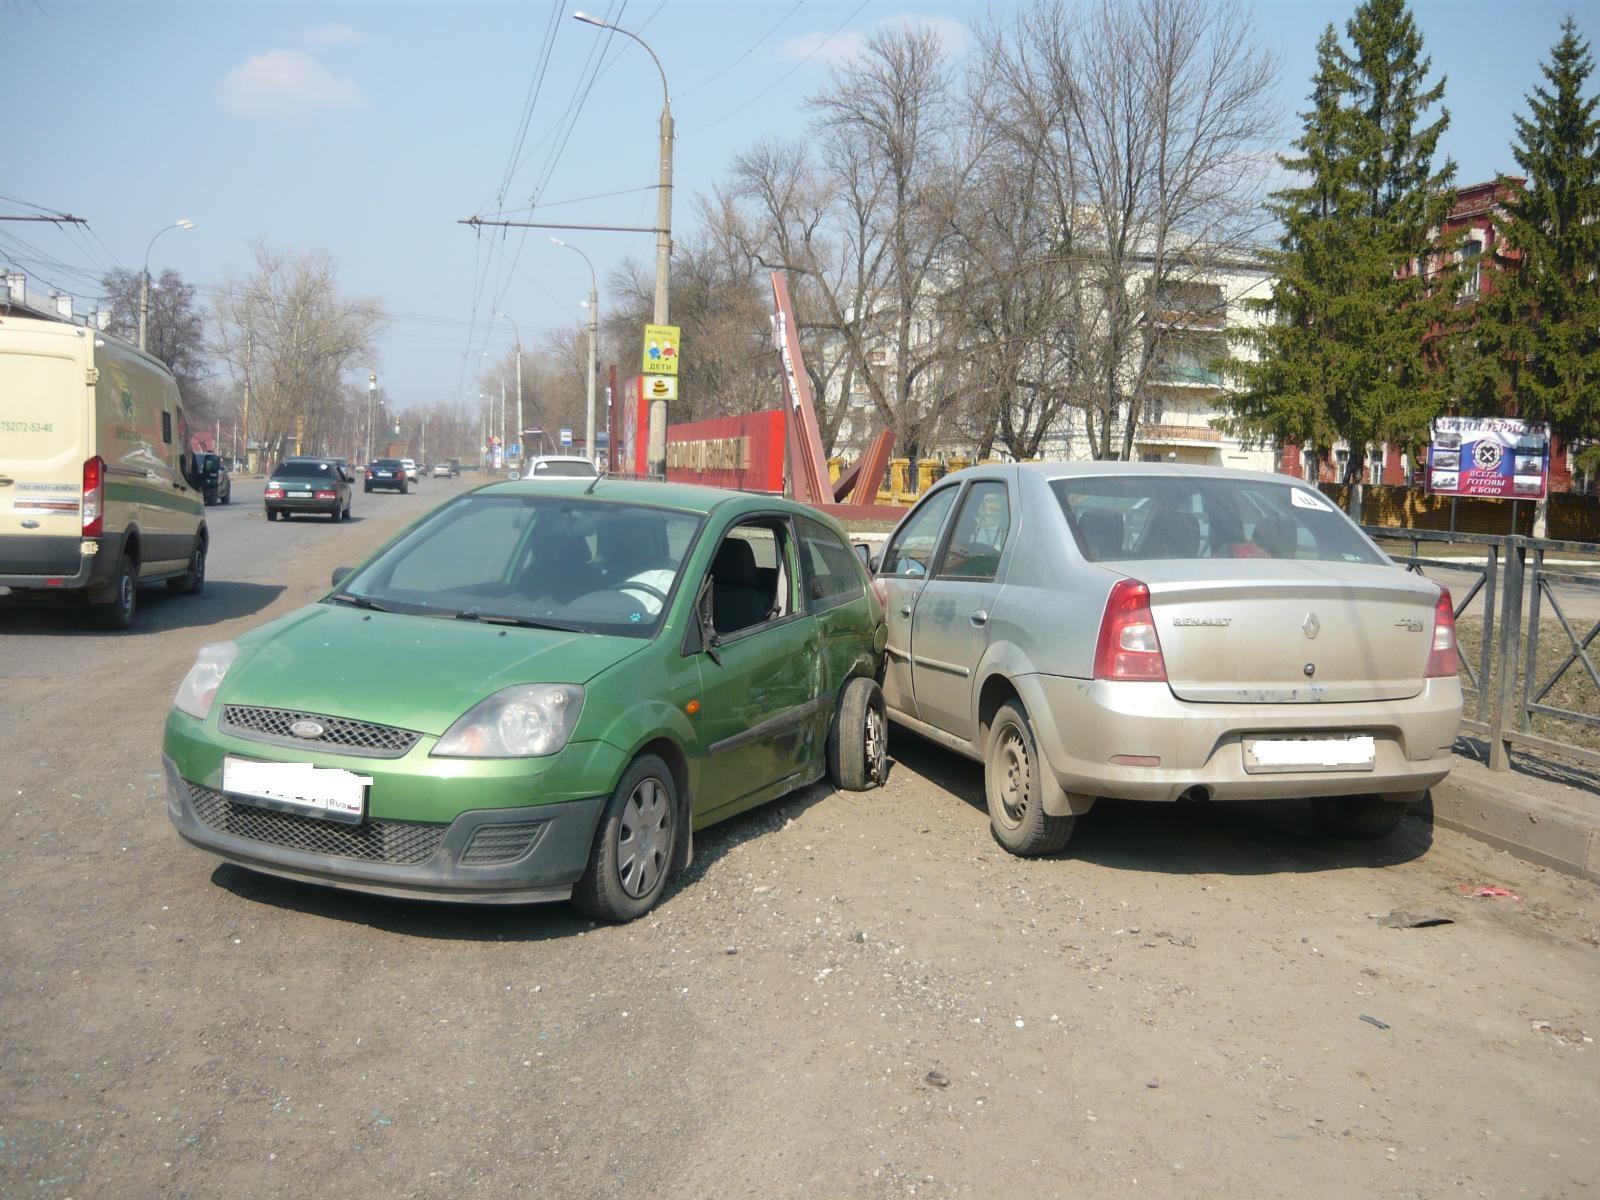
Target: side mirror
863	552
339	574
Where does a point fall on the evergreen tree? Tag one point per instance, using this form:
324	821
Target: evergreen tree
1535	347
1349	353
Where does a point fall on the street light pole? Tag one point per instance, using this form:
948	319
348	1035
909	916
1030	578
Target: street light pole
658	408
372	395
594	335
523	452
144	275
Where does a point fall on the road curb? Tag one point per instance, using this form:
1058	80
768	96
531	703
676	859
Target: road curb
1507	811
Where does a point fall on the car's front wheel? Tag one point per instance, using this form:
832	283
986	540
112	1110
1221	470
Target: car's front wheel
633	847
858	738
1359	818
1014	789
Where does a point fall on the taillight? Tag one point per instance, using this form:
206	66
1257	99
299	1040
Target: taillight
324	496
274	493
94	497
1443	661
1128	647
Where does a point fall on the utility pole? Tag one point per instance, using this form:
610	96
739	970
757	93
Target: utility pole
594	334
502	421
523	452
372	395
249	347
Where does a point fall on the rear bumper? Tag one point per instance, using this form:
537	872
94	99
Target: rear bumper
287	505
56	562
392	484
1080	724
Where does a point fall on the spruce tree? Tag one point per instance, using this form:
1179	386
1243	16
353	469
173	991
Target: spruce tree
1534	349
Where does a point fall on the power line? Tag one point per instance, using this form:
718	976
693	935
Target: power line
754	46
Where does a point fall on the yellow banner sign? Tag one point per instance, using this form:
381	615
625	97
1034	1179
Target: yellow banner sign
661	350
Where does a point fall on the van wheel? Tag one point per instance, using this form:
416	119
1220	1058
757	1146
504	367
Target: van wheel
124	604
1015	793
858	741
633	847
193	581
1358	818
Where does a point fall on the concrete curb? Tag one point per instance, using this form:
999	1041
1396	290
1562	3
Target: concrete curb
1544	823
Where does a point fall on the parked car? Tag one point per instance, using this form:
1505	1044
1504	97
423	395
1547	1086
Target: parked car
307	485
386	473
442	471
101	490
1154	632
606	672
412	473
216	481
557	466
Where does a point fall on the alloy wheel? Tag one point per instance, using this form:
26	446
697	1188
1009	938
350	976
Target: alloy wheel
876	745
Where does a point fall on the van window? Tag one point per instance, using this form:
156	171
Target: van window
166	428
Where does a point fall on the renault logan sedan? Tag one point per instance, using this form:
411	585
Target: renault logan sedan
1154	632
607	668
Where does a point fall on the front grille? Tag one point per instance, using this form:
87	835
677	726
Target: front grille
500	843
351	737
402	843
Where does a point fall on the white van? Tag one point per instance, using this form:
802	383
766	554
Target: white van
98	490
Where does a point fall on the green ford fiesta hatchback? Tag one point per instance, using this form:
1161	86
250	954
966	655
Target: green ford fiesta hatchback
606	668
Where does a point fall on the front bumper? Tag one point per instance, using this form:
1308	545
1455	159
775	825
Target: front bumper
1080	724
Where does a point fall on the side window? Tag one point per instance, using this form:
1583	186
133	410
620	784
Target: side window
911	552
750	578
979	536
166	428
832	571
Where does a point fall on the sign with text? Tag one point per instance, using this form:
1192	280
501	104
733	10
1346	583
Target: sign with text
743	452
661	350
1489	456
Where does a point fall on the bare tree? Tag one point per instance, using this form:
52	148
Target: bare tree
176	332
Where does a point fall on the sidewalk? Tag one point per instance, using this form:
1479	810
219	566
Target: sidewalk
1535	815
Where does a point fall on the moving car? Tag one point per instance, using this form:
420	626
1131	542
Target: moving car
98	489
216	481
442	471
607	673
555	466
1155	632
307	485
386	473
414	475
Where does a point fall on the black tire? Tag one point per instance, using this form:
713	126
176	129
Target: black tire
193	581
1012	786
1358	818
858	738
404	488
227	497
119	612
633	847
367	489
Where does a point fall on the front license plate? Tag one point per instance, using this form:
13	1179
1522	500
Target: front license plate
1288	755
326	792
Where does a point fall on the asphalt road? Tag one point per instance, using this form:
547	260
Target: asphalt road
846	996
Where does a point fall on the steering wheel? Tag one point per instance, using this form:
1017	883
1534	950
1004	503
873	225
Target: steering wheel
649	590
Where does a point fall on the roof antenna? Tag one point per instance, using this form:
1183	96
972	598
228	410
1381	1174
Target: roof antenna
593	484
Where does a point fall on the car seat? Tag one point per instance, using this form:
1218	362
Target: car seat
738	599
630	545
1102	533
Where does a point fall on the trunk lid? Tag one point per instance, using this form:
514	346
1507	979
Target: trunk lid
1290	632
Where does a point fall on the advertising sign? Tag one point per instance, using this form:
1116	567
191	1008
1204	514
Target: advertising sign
661	350
566	437
1490	456
743	452
661	387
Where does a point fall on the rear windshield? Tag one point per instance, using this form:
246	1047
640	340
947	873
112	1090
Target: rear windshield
303	470
1134	518
388	463
571	469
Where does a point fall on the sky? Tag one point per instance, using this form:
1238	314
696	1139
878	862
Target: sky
369	129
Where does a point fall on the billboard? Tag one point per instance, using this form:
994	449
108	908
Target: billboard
1489	456
743	452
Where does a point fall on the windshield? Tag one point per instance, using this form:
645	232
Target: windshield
567	469
1132	518
590	565
308	469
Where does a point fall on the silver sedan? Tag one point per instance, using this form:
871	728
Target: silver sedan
1155	632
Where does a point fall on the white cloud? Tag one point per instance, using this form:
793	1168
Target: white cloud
335	34
285	83
849	43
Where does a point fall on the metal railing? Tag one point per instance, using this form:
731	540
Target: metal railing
1504	685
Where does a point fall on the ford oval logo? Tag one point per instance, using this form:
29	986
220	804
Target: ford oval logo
307	729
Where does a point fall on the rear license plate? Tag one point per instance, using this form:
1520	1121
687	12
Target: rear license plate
300	495
1289	755
325	792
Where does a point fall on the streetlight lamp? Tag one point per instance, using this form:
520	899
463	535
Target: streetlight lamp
658	408
594	334
144	276
524	450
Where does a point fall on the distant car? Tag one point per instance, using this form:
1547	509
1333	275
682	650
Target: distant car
442	471
411	469
1154	632
558	466
215	479
386	473
307	485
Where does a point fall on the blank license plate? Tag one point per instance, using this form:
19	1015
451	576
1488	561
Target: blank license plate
1269	756
325	792
301	495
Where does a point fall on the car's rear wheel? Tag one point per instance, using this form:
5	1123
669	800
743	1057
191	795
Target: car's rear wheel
633	847
124	604
858	738
1014	790
367	489
1358	818
193	581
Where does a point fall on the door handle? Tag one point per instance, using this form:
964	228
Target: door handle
980	618
905	610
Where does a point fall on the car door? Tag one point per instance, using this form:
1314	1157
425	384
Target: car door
950	628
760	679
900	579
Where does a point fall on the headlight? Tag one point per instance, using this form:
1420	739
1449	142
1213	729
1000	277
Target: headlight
199	686
526	721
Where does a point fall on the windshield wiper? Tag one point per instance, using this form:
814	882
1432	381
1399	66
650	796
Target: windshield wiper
472	614
358	602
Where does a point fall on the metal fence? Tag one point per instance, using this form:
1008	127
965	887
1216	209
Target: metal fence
1504	684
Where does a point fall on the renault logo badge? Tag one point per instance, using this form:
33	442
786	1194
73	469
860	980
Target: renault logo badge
1311	625
307	729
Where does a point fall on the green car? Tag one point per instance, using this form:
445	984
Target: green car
606	667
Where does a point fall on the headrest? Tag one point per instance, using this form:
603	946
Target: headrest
735	564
